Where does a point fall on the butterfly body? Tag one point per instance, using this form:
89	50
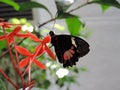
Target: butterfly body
68	48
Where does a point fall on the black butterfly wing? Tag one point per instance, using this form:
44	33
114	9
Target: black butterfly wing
62	43
82	46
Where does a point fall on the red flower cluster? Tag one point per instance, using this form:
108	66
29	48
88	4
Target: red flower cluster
40	49
30	57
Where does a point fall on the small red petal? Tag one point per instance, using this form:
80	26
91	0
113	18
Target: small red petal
22	35
39	50
5	24
10	39
47	39
50	53
34	37
23	62
2	37
39	64
16	30
23	51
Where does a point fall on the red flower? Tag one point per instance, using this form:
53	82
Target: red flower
30	57
15	32
5	24
43	42
10	36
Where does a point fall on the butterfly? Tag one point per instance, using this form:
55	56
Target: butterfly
68	48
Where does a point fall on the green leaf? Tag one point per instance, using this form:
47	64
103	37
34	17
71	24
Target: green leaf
3	44
105	8
60	82
83	69
74	69
113	3
31	4
11	3
2	85
70	79
74	25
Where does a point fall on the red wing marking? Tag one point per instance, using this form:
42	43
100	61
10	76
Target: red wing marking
68	54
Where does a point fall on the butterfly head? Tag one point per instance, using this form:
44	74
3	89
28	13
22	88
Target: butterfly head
51	33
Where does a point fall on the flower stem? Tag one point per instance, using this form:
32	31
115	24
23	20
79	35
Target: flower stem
19	71
5	75
29	73
88	2
9	50
47	22
5	52
11	55
32	59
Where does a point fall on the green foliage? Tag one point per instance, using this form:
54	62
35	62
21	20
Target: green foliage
67	79
11	3
83	69
2	85
113	3
105	7
31	4
2	45
42	81
74	25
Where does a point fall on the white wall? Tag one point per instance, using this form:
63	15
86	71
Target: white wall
103	61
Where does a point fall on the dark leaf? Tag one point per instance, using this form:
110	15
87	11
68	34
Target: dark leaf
70	79
113	3
60	82
75	69
65	15
31	4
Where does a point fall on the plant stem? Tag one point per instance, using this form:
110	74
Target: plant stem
5	52
32	59
5	75
10	52
19	71
47	22
29	73
88	2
